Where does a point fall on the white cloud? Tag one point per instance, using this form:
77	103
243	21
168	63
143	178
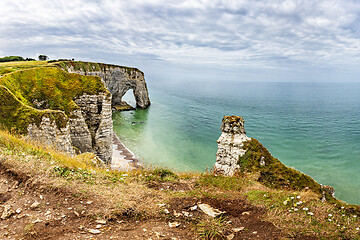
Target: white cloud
251	34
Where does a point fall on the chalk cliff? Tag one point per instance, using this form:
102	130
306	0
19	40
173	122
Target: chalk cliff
68	104
69	111
91	126
230	144
117	79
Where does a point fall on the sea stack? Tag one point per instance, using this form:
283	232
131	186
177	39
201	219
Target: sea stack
230	144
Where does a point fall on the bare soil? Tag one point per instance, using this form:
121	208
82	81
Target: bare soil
238	214
63	214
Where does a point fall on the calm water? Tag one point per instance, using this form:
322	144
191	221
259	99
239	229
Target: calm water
314	128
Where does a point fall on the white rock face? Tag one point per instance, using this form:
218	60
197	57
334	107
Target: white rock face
118	81
96	134
88	128
49	133
230	144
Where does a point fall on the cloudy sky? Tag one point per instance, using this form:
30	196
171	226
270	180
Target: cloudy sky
237	40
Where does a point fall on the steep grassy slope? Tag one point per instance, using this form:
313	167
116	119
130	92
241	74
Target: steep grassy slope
28	95
16	116
272	172
51	88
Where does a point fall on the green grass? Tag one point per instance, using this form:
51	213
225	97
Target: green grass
91	66
55	87
9	67
274	173
160	175
212	228
223	182
16	116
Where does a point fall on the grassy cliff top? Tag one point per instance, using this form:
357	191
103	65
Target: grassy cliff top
232	119
32	90
30	86
92	66
50	87
85	193
9	67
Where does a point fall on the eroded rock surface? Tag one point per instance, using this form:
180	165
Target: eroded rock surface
49	133
117	79
68	111
230	144
89	128
96	114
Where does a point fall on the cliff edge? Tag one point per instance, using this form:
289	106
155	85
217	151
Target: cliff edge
69	111
68	104
239	154
117	79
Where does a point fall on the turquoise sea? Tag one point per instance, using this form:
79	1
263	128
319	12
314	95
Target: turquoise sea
313	127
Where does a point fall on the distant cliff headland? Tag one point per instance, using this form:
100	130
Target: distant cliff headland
68	104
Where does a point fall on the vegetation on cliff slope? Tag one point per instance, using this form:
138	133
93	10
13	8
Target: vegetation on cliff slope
30	86
272	172
51	88
90	66
16	116
156	197
26	94
9	67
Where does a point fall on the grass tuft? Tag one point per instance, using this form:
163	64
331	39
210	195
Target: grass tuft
212	228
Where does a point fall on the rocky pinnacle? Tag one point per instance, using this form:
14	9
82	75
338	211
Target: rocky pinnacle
230	144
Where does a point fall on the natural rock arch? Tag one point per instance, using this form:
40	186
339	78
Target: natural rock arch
117	79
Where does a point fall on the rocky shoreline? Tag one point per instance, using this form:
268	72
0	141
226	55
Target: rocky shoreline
122	158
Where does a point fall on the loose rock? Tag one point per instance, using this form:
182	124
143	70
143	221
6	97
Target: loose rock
37	221
210	211
101	221
230	237
193	208
7	212
35	205
94	231
174	224
238	229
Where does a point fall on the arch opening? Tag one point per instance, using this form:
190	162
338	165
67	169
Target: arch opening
129	98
